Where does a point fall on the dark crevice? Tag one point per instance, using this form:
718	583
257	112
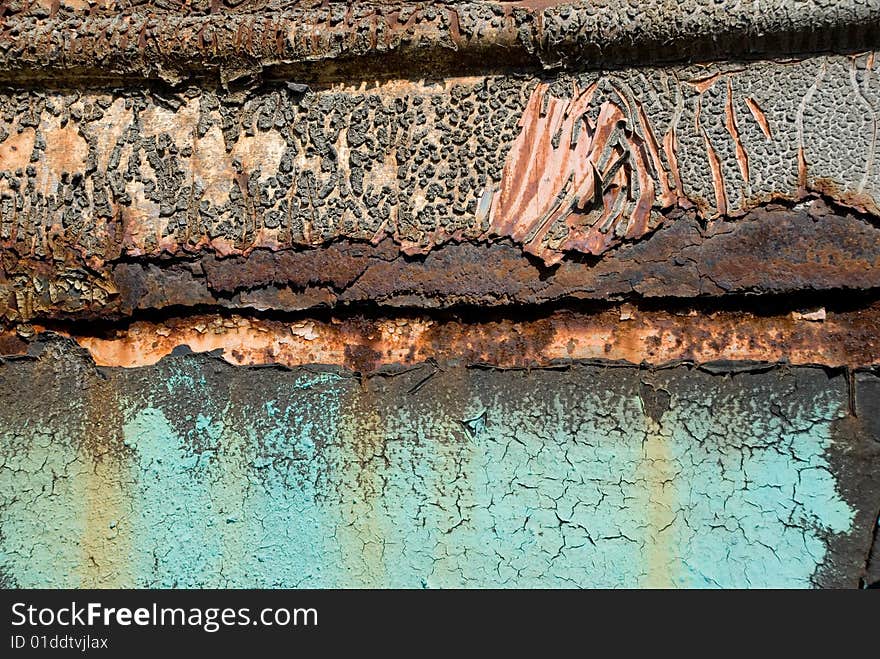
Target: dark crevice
871	578
837	301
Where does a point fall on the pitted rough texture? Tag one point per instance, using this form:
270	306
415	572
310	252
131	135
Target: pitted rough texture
577	164
142	173
98	181
195	473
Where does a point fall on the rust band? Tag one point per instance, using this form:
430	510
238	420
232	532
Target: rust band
625	334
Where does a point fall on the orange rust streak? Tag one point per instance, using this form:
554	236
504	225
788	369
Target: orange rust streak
667	196
556	161
714	165
843	339
760	118
519	169
703	84
585	186
730	123
537	173
670	144
802	172
641	214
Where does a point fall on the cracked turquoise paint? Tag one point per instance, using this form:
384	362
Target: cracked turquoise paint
271	478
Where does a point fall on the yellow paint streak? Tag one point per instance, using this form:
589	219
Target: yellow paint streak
365	528
105	543
658	470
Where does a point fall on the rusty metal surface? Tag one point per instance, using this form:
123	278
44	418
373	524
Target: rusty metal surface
527	293
774	250
626	334
580	164
170	41
98	190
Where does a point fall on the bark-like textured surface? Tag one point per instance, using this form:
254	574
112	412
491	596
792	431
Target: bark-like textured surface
197	473
772	250
578	163
175	40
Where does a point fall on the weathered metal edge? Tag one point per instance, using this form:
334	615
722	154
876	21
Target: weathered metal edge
364	39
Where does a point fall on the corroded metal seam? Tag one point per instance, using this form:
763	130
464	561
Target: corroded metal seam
626	334
45	39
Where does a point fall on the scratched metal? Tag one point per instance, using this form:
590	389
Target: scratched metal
193	472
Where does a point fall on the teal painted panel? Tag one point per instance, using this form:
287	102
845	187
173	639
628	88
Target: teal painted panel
194	473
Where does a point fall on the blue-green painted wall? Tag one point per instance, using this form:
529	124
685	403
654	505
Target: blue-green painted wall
194	473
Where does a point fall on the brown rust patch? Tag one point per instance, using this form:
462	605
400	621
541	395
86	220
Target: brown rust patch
11	344
333	266
860	201
772	250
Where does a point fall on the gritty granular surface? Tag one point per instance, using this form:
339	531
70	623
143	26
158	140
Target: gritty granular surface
595	166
